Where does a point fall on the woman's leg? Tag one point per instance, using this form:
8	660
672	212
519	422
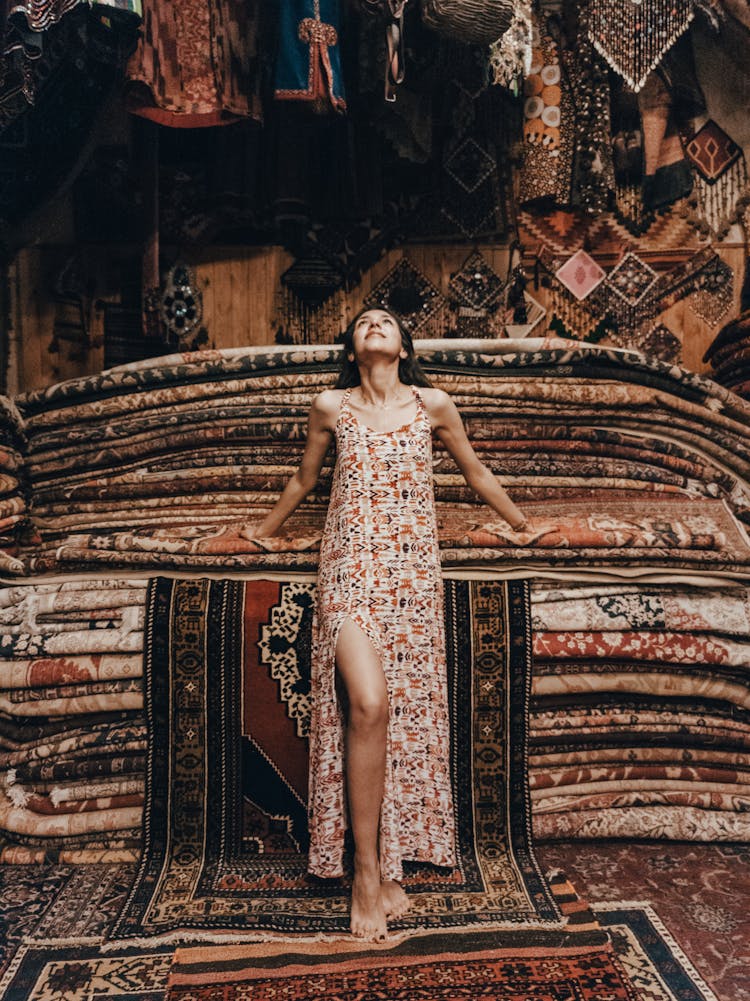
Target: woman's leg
361	672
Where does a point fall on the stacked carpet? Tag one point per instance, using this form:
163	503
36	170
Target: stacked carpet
640	716
729	356
13	506
72	730
635	476
157	465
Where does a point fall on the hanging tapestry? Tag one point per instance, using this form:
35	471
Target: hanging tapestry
48	105
666	173
567	154
311	304
308	63
721	179
470	191
477	129
547	123
714	296
197	63
634	35
411	295
476	294
659	342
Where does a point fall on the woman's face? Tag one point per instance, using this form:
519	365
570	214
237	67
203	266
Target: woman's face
376	330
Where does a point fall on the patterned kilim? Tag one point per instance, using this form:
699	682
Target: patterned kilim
226	673
44	970
457	971
712	152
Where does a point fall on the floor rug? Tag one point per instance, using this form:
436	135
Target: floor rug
638	960
227	678
43	969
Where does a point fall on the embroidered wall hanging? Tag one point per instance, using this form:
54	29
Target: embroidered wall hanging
476	293
311	303
634	35
721	179
658	342
181	304
715	293
574	292
308	63
547	123
411	295
580	274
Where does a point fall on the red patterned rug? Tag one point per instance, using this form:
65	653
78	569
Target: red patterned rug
441	967
227	669
490	974
575	963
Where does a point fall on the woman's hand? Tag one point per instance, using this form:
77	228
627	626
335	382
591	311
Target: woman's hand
250	532
531	531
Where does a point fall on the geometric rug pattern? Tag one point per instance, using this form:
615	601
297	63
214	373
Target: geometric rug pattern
645	958
226	676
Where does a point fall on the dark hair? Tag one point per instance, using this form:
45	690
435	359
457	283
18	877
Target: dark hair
410	372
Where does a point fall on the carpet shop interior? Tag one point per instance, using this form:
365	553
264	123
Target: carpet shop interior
195	199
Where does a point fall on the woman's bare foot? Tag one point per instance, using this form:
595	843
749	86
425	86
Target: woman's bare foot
395	901
368	912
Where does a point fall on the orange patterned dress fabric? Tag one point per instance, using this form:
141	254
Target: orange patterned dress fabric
380	567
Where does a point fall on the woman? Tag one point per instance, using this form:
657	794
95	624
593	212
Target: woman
379	729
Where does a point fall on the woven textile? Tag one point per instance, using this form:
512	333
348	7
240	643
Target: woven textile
712	152
580	274
409	294
197	64
224	828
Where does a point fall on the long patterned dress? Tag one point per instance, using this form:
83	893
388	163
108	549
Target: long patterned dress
380	567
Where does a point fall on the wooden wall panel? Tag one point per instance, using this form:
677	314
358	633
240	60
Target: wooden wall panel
240	299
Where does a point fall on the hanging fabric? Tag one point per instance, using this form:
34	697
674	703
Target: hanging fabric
721	178
311	304
308	64
197	63
634	35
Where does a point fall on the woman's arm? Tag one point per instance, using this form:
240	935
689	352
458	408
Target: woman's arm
320	425
448	426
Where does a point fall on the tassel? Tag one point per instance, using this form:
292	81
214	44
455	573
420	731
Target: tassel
634	37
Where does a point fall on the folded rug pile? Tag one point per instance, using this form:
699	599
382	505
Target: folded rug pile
72	730
159	464
13	506
634	474
640	718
